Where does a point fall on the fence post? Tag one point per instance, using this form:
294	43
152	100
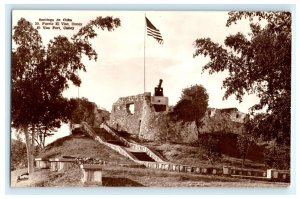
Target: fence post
272	174
226	170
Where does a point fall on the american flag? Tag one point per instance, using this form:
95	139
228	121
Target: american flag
153	32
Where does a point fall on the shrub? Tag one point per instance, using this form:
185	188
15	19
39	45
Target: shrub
277	157
211	145
17	155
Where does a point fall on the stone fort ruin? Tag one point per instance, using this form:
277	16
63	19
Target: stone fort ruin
147	117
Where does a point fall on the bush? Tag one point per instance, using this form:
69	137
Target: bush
211	145
17	155
277	157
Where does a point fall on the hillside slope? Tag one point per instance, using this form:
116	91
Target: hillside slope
82	146
120	176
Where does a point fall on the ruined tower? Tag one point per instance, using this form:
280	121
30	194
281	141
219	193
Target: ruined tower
138	115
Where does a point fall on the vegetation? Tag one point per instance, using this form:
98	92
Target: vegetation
82	110
248	138
117	176
243	145
260	64
192	105
81	146
40	74
17	155
211	146
225	154
277	156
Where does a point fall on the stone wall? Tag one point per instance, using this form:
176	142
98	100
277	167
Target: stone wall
126	113
225	120
138	116
161	128
182	132
154	126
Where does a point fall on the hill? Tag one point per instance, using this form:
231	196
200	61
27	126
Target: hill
116	175
81	146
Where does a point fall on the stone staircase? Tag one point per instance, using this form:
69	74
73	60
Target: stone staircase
136	152
142	156
108	137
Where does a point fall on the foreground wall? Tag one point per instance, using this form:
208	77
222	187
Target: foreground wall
126	114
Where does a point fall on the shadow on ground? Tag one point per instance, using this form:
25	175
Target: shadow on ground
120	182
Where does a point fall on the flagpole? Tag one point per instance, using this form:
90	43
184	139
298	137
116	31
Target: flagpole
150	30
145	55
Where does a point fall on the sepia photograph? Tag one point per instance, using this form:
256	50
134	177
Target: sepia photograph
110	98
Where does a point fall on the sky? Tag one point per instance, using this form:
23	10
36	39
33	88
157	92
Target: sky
119	70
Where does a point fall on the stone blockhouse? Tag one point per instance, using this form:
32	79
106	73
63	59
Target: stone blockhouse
148	118
137	114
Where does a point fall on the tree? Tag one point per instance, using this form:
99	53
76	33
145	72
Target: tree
43	131
192	105
83	110
259	63
17	154
277	156
40	74
249	137
244	142
211	144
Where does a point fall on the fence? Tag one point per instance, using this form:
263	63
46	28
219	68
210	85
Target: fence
62	164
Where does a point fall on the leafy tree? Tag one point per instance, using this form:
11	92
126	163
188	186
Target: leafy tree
210	143
259	63
82	110
192	105
244	142
40	74
277	156
249	137
42	133
17	154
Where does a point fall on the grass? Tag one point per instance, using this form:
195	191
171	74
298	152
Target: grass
116	176
82	146
185	154
45	178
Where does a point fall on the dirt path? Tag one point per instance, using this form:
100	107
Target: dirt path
33	180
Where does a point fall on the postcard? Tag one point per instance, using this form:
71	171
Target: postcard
108	98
